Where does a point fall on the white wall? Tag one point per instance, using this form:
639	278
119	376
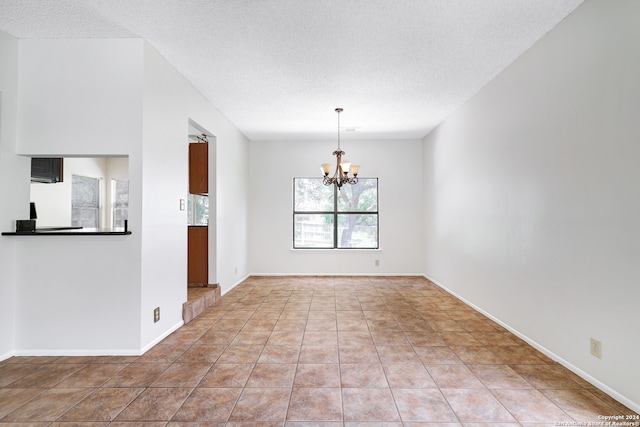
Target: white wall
98	82
71	302
532	200
397	164
80	98
14	192
165	182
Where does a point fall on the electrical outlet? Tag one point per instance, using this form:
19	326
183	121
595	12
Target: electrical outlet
377	263
596	348
156	314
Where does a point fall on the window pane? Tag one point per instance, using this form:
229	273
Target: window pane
84	201
120	197
358	231
313	231
84	217
84	191
310	195
361	197
198	209
119	215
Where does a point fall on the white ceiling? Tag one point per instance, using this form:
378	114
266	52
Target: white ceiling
278	68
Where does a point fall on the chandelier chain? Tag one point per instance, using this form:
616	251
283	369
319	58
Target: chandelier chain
339	110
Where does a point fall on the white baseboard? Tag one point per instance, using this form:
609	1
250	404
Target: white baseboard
337	274
7	356
223	292
59	352
161	337
104	352
596	383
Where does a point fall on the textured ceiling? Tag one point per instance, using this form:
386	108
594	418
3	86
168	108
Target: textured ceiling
278	68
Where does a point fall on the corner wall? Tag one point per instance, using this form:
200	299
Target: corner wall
110	97
170	101
80	98
164	183
531	196
14	197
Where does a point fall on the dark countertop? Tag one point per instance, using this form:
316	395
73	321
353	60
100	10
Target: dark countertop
66	231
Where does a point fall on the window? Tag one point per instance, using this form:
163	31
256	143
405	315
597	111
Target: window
85	207
198	209
327	218
120	202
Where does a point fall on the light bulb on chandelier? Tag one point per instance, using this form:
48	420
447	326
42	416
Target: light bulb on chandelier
341	174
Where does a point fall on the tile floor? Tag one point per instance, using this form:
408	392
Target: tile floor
311	351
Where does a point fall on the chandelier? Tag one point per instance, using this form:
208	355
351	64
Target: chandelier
341	174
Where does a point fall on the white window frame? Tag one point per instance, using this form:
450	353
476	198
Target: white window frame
335	213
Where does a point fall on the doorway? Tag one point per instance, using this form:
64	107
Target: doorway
202	287
201	206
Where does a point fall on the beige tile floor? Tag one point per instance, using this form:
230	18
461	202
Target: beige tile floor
311	351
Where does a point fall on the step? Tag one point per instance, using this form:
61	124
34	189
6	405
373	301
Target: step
199	298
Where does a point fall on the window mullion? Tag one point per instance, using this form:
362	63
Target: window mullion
335	217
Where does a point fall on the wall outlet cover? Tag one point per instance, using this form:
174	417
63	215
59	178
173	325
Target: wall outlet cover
596	348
